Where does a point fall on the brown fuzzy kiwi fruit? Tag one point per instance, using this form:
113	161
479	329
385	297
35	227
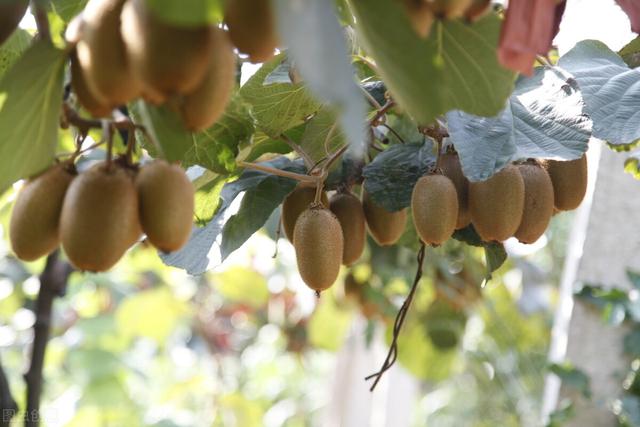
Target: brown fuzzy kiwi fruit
11	13
477	10
318	242
434	204
33	229
450	165
252	28
297	202
103	56
569	180
169	59
85	96
166	200
201	108
449	9
385	227
99	219
496	204
420	16
348	209
538	203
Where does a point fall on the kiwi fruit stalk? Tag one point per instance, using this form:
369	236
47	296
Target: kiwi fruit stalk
11	13
451	168
318	242
434	204
201	108
252	28
538	203
569	180
169	59
449	9
99	219
84	95
420	16
496	204
33	229
166	200
102	54
385	227
348	209
297	202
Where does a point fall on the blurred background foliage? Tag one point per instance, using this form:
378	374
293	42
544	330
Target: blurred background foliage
248	344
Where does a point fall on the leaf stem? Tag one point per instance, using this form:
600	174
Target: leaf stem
39	8
299	151
279	172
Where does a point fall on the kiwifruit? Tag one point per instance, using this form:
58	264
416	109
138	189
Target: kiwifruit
444	324
477	10
420	16
318	243
434	204
451	168
348	209
385	227
252	28
200	108
166	200
99	219
169	59
102	54
33	228
569	180
85	97
496	204
11	13
538	203
297	202
449	9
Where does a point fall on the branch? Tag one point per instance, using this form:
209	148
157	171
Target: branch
397	326
299	151
39	10
8	405
279	172
375	121
53	283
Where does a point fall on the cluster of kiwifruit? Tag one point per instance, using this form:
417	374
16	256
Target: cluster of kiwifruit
100	213
124	51
423	13
518	201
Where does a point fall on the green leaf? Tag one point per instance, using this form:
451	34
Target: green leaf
456	67
543	119
67	9
266	145
242	285
572	377
203	250
277	107
316	41
390	178
257	205
207	199
609	88
30	101
495	254
13	48
215	148
322	135
631	53
188	12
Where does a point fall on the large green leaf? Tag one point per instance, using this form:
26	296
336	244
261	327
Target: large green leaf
277	107
67	9
322	135
30	101
544	118
203	251
610	89
13	48
390	178
454	68
215	148
495	254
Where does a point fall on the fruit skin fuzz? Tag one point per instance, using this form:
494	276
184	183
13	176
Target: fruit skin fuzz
297	202
538	203
434	205
385	227
348	209
319	243
569	180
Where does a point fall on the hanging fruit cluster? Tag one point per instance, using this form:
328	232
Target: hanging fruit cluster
100	213
423	13
518	201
